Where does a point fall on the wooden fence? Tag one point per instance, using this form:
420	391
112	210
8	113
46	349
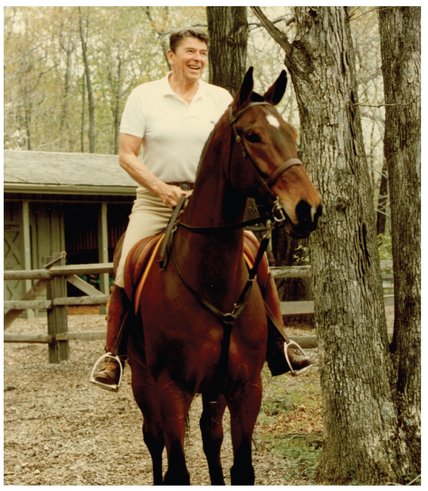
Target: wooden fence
54	277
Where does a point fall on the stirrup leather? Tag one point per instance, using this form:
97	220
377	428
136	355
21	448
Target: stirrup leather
104	357
292	370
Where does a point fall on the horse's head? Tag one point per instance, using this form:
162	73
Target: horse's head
268	143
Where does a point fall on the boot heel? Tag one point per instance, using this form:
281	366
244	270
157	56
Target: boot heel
103	358
292	370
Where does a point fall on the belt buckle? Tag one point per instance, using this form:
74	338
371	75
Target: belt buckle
186	186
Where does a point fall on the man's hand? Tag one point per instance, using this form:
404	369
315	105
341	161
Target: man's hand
170	195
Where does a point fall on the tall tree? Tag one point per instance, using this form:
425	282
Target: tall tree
83	31
382	201
228	30
362	444
400	31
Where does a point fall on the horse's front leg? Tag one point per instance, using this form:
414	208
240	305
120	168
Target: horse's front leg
153	438
174	405
211	424
244	408
144	390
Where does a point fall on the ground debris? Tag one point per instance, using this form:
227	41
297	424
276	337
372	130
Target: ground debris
61	430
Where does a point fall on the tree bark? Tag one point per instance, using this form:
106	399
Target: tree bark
91	102
400	33
382	201
360	420
228	31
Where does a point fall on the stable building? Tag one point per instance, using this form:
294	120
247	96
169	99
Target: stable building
53	202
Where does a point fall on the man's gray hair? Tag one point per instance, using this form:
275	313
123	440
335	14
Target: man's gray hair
177	37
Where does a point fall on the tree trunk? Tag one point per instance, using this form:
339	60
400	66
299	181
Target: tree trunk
228	31
400	33
382	201
82	114
359	415
91	102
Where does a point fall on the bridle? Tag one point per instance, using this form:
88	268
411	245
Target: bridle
277	215
270	181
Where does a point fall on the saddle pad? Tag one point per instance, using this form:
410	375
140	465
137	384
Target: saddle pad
138	262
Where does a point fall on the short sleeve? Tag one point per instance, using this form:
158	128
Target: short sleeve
223	98
133	120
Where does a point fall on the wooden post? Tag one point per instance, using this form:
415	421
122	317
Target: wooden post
57	319
27	247
103	250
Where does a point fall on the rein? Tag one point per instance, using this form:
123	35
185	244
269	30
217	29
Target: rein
276	215
228	318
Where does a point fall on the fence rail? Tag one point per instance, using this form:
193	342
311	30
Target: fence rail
54	277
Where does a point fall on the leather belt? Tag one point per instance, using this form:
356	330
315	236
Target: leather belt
184	186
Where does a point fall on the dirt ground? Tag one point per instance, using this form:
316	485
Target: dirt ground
61	430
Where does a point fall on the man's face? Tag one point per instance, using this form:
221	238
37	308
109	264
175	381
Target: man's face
190	59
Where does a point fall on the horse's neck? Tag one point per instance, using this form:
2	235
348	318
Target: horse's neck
213	260
212	264
213	206
213	202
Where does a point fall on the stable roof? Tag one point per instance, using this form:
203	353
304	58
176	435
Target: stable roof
65	173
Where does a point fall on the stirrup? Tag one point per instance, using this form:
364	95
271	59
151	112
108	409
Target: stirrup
290	366
111	387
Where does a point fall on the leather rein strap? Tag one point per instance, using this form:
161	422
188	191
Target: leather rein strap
277	214
228	318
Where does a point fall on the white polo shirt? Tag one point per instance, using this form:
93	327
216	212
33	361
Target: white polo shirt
173	130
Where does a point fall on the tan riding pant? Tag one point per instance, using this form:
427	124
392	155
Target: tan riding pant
148	217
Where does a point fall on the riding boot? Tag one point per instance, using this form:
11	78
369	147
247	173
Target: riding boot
108	370
282	355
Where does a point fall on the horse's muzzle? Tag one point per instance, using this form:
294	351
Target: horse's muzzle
307	220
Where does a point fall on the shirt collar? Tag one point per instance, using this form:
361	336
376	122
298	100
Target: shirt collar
167	90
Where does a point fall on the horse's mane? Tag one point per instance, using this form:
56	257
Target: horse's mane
255	97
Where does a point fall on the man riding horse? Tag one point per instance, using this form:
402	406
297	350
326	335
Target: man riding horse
169	121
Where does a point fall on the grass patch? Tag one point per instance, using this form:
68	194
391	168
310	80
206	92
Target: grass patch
290	423
301	454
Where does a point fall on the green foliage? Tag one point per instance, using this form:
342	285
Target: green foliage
46	102
45	96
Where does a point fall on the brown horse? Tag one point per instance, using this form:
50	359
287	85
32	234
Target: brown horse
203	326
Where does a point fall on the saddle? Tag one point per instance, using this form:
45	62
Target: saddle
137	266
142	256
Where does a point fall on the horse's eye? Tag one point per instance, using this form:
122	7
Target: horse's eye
253	137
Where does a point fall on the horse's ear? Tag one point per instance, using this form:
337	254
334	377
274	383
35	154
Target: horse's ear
246	89
276	91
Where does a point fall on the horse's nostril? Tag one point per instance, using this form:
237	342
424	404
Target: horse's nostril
317	214
308	215
304	212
